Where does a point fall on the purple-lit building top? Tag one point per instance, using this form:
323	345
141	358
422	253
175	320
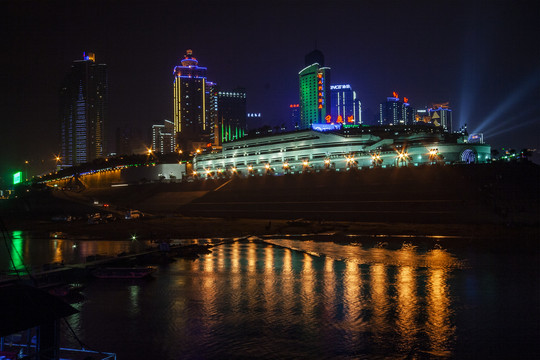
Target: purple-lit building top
192	104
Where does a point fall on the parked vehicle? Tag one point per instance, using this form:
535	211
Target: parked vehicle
133	214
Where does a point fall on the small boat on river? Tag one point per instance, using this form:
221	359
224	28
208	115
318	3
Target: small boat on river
123	272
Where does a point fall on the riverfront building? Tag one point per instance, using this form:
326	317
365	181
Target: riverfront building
346	107
315	102
396	112
441	115
163	139
83	99
230	121
341	148
192	111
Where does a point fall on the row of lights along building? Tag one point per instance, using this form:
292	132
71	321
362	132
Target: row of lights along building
207	117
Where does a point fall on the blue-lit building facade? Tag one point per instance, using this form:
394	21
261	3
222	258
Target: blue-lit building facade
346	107
396	112
341	148
192	108
83	99
294	116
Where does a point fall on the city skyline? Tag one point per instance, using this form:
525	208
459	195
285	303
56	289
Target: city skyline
466	54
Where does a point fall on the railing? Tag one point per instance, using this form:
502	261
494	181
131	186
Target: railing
65	353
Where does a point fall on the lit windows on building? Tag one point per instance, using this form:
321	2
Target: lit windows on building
396	112
83	99
314	81
163	138
441	115
230	122
346	107
191	102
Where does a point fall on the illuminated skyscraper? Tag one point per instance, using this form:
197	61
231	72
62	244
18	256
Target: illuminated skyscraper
346	107
441	115
163	139
230	121
314	90
192	112
294	116
83	99
396	112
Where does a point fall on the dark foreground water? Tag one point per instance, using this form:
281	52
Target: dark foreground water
291	299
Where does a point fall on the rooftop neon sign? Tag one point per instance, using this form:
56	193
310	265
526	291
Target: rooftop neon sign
340	87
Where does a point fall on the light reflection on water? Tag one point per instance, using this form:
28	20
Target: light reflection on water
306	299
251	299
33	253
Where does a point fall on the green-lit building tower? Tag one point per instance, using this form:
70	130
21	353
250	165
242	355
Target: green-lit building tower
230	116
314	91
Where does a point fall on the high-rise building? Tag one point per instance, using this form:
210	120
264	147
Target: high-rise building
422	116
346	107
396	112
294	116
192	112
315	102
441	115
83	99
230	122
163	137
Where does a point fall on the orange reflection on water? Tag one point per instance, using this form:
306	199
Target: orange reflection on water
351	291
252	257
329	286
407	300
269	279
208	290
287	262
307	287
268	259
56	247
252	287
287	283
379	300
221	259
439	327
235	258
208	262
235	277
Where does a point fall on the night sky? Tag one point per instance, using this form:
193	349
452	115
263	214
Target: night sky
482	56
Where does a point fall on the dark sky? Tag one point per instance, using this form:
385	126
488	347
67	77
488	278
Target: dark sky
482	56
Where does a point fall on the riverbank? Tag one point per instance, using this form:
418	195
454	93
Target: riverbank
180	227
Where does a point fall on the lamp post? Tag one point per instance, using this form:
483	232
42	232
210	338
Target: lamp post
58	161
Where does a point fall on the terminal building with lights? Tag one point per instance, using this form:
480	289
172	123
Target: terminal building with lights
340	148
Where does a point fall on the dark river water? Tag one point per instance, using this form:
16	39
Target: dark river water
300	299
